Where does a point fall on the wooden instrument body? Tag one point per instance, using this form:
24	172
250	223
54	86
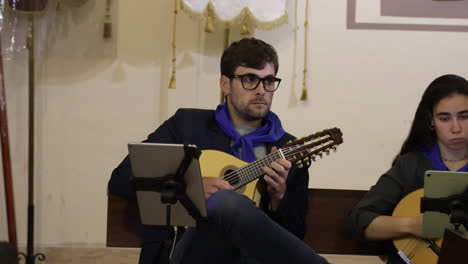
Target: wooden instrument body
414	248
217	164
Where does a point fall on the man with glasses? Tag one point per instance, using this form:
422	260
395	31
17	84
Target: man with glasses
238	231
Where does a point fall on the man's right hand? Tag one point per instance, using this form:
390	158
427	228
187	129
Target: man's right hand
212	185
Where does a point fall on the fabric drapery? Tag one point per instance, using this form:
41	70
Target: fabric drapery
265	14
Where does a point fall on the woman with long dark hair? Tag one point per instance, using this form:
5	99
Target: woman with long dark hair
438	140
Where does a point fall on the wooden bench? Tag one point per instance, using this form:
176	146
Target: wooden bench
326	223
326	219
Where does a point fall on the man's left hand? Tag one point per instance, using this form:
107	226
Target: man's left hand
275	178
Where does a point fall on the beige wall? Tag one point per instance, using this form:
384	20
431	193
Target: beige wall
94	96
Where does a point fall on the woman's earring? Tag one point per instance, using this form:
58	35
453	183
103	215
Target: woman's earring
431	127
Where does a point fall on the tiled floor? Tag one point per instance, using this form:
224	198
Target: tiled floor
130	256
58	255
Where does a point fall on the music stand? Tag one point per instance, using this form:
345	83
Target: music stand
443	201
168	183
454	247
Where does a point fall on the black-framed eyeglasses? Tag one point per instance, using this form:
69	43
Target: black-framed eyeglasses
251	81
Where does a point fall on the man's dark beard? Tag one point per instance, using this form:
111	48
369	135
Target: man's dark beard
250	117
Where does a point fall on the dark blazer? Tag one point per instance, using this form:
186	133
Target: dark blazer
199	127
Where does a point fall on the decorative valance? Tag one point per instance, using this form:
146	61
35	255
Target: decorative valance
263	14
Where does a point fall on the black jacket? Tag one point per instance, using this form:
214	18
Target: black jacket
199	127
405	176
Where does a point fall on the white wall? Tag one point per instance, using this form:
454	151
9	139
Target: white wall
94	96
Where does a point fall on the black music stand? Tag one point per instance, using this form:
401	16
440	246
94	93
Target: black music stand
454	247
455	206
445	202
168	184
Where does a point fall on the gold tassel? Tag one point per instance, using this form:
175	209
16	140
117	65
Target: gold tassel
172	83
227	32
209	28
244	29
304	80
107	21
293	98
304	87
304	95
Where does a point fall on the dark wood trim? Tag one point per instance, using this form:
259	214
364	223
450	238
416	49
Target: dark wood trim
326	223
123	223
454	247
326	220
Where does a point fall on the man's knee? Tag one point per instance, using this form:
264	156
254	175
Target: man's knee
227	204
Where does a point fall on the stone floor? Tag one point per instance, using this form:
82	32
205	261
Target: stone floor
60	255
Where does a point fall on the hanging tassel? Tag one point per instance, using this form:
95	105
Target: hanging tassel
304	87
304	95
244	29
304	80
107	21
227	32
172	82
293	97
209	28
304	91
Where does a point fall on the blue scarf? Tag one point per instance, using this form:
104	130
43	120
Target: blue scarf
271	131
433	155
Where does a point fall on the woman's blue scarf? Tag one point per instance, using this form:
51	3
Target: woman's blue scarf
433	155
271	131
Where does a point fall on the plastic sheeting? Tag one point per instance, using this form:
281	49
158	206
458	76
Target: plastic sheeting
54	21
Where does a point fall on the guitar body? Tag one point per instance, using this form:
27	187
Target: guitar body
415	249
244	176
214	163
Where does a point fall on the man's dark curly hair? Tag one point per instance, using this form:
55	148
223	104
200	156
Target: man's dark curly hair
248	52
